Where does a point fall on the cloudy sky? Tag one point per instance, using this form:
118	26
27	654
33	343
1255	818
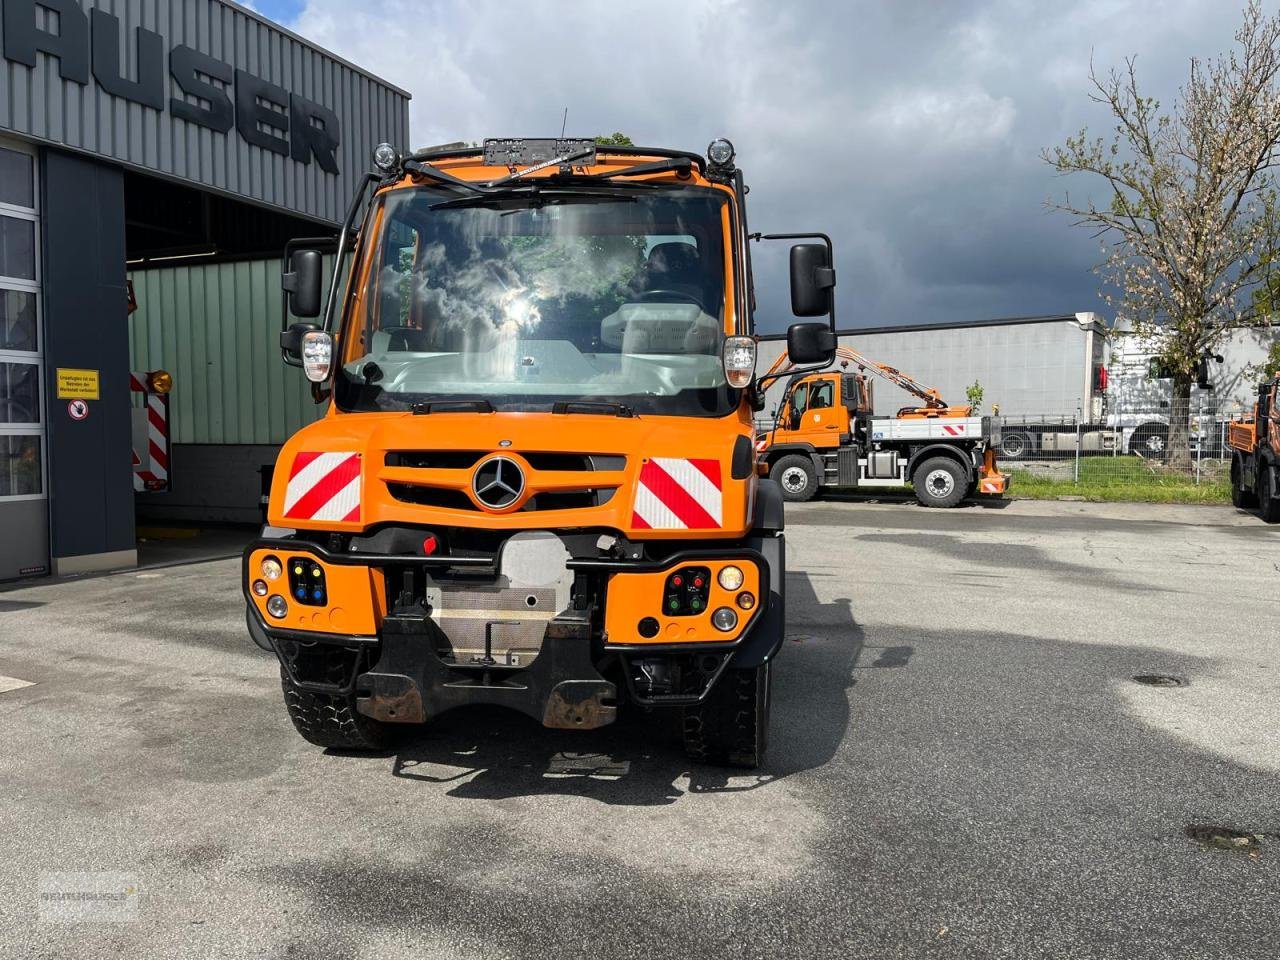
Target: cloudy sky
910	130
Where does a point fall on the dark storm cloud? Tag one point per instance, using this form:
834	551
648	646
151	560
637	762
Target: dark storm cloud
908	130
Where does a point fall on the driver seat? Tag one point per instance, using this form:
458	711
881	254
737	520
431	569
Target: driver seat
673	266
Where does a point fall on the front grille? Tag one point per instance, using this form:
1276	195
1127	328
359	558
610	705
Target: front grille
434	459
428	493
431	496
465	459
448	499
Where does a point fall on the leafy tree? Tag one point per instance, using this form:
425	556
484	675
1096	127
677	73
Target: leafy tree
1190	217
1272	366
614	140
974	393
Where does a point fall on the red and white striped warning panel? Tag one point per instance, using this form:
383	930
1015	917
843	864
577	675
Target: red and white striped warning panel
676	494
151	440
324	486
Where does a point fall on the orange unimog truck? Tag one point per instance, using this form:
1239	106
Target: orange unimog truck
825	434
1255	454
534	485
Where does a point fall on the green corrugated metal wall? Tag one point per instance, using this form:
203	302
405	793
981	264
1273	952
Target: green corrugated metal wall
216	328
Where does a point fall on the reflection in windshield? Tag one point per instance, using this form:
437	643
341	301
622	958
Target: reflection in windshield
604	297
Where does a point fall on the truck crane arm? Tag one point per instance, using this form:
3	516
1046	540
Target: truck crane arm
933	404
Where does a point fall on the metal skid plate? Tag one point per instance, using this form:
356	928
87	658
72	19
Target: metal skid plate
532	587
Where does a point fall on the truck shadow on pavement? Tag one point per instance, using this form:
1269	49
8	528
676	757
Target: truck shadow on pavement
487	753
907	499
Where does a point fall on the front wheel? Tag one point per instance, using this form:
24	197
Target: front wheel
1267	496
794	473
1240	497
939	482
331	721
730	728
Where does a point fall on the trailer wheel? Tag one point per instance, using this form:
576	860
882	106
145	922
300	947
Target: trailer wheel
1240	497
939	482
730	728
1267	496
329	721
794	473
1014	446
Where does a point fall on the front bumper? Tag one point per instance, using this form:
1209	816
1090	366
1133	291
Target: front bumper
395	673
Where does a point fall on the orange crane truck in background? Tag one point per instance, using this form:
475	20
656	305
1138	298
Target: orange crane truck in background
1255	454
825	434
534	486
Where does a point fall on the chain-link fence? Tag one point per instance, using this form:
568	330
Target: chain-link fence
1153	448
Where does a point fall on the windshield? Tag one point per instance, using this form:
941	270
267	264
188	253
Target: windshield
526	300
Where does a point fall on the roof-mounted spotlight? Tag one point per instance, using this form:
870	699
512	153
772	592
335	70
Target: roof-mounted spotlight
386	158
720	153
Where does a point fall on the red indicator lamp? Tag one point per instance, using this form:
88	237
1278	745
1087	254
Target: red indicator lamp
430	545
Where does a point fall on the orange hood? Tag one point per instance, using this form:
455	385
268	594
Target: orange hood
645	476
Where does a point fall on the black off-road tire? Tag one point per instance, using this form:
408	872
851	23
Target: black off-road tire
329	721
1267	502
731	727
932	490
1240	497
786	473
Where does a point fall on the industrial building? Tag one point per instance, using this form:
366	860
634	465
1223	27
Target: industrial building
177	144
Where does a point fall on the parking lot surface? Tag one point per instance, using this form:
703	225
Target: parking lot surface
961	765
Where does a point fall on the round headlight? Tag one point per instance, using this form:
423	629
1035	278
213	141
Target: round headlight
277	607
271	568
731	578
260	588
386	158
724	619
746	600
720	152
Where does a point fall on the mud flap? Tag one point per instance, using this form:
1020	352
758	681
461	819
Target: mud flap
760	646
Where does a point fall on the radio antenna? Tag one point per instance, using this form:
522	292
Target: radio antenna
564	122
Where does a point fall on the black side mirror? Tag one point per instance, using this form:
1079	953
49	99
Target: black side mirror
811	343
813	280
302	283
291	342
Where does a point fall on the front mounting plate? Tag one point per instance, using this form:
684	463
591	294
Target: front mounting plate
521	152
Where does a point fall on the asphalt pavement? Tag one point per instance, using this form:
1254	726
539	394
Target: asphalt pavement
961	765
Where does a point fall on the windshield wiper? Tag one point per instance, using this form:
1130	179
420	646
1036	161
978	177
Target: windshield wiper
530	195
452	406
427	170
560	161
681	165
593	406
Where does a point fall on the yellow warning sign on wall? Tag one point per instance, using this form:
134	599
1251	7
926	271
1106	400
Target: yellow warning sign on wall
77	384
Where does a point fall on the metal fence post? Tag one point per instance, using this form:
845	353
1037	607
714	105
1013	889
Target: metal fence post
1199	435
1078	445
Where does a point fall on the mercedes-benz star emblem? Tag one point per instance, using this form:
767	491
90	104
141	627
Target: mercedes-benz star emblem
498	483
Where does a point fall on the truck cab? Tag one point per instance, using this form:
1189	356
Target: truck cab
534	484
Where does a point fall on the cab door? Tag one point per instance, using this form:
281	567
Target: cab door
821	421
